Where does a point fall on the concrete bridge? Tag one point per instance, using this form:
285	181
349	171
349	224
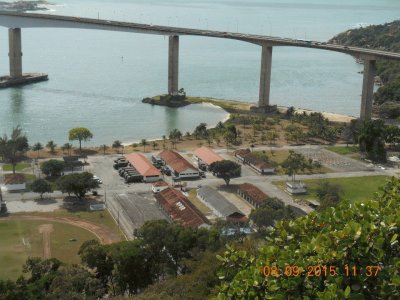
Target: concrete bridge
15	21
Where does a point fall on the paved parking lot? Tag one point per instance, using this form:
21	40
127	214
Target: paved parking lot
333	160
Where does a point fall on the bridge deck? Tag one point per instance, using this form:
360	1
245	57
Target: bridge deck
30	20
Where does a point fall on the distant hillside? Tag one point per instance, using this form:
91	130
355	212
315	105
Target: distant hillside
381	37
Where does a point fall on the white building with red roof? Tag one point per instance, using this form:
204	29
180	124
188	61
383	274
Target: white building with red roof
206	156
144	167
179	166
159	186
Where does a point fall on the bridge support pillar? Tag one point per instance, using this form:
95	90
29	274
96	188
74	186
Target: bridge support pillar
15	53
265	75
173	65
368	88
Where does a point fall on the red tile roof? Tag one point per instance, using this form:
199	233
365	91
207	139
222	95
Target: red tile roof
253	192
14	179
142	165
207	155
251	158
179	208
160	183
176	161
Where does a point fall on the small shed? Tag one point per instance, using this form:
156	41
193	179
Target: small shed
313	203
159	186
296	187
15	182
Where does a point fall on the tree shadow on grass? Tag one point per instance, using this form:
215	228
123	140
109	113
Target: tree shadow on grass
45	201
76	204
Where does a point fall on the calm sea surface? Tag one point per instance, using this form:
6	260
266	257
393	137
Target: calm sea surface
98	78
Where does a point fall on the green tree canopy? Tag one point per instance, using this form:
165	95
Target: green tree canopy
271	211
294	163
80	134
37	147
77	183
13	148
51	145
226	169
41	186
52	167
362	234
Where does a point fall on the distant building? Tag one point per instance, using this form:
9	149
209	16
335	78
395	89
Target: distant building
15	182
259	165
180	209
220	206
252	194
179	166
206	156
144	167
159	186
296	187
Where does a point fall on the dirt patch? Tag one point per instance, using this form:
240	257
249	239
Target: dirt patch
103	233
46	230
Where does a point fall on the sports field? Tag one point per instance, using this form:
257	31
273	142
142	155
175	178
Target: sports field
20	239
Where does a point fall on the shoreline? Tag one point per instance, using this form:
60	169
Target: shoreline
155	139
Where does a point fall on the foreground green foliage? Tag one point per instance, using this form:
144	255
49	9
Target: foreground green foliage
360	234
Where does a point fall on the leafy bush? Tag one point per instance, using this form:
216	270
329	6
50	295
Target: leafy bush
360	234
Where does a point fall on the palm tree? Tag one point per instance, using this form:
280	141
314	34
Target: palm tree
68	147
143	143
116	144
51	145
155	145
37	147
104	147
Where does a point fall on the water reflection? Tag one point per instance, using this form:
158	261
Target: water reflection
172	119
17	101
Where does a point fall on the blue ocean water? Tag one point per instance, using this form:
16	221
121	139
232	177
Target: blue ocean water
98	78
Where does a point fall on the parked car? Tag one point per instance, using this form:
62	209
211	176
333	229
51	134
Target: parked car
97	179
131	179
166	171
120	164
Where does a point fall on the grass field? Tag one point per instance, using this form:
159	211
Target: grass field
97	217
21	239
279	156
343	150
18	167
354	188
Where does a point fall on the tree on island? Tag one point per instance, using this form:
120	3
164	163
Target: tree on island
80	134
37	147
12	149
51	145
41	186
226	169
